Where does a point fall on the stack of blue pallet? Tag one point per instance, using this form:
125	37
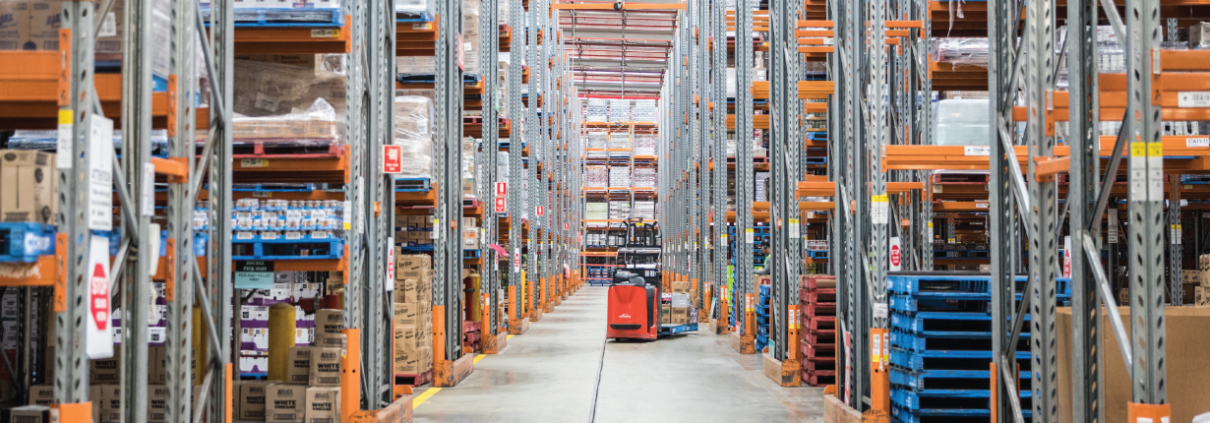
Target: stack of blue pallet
762	318
941	341
759	235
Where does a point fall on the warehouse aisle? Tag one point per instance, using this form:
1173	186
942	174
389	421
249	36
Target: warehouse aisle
548	375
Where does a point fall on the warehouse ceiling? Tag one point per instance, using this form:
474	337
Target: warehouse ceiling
618	52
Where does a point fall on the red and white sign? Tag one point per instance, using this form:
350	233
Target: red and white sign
98	332
517	259
539	210
501	205
392	159
579	238
566	226
1067	256
389	285
896	255
501	189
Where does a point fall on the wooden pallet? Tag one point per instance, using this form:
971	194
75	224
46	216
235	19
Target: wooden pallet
414	380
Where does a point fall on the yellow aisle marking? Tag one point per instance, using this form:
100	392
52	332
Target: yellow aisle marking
479	357
509	337
424	397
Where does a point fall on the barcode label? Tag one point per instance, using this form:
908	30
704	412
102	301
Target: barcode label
976	150
268	235
980	205
325	33
292	235
244	235
320	234
253	163
1197	142
1193	99
109	26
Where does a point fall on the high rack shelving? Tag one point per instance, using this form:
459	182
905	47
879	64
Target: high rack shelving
66	90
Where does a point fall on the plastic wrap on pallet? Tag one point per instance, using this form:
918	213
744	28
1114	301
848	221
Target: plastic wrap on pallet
415	7
47	140
643	209
502	165
644	177
619	140
961	122
619	209
274	89
645	111
414	132
619	176
596	110
469	170
315	125
644	144
427	65
597	139
619	110
596	176
962	51
1198	35
762	183
596	210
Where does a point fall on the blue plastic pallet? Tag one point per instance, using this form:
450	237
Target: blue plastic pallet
324	248
272	188
937	379
471	254
413	184
817	136
914	360
950	286
412	17
669	330
951	302
817	160
818	254
903	415
429	78
919	341
25	241
282	18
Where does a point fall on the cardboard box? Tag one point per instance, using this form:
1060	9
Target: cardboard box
110	403
325	367
680	315
329	322
29	414
104	371
156	370
680	287
1203	269
665	314
29	179
323	405
41	394
285	403
95	394
406	289
14	26
1201	296
157	399
405	337
44	24
251	403
300	365
1188	366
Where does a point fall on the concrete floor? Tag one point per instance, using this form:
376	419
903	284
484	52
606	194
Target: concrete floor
549	375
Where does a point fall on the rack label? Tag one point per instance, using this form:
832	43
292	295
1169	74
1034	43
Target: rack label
1193	99
749	236
100	174
976	150
1197	142
63	155
253	163
879	209
148	204
793	228
325	33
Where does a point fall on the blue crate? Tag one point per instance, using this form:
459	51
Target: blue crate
822	160
942	379
817	136
471	254
282	18
279	249
818	254
25	241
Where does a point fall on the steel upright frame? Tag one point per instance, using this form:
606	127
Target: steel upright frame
784	155
745	292
489	285
447	227
516	148
718	153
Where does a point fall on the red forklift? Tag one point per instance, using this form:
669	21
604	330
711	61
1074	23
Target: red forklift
634	296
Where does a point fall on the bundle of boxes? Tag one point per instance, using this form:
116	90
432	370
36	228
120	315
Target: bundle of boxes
643	209
619	140
31	186
1201	281
619	209
413	319
619	110
311	391
413	230
596	110
644	144
309	329
644	176
619	176
676	308
644	111
596	176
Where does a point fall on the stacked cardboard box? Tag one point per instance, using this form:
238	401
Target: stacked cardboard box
679	305
413	314
413	230
1201	291
310	394
31	186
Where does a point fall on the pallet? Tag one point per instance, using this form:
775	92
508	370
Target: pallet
271	187
956	403
818	254
951	178
820	337
284	149
428	78
946	360
819	378
25	241
949	341
282	17
304	248
818	351
412	17
413	185
903	415
820	323
819	309
822	295
960	287
932	380
828	364
966	254
669	330
817	136
813	282
414	379
471	254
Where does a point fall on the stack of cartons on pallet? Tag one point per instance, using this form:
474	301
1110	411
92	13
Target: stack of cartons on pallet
413	320
817	295
1201	291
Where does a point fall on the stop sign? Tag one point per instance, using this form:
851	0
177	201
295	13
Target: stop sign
99	297
895	257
